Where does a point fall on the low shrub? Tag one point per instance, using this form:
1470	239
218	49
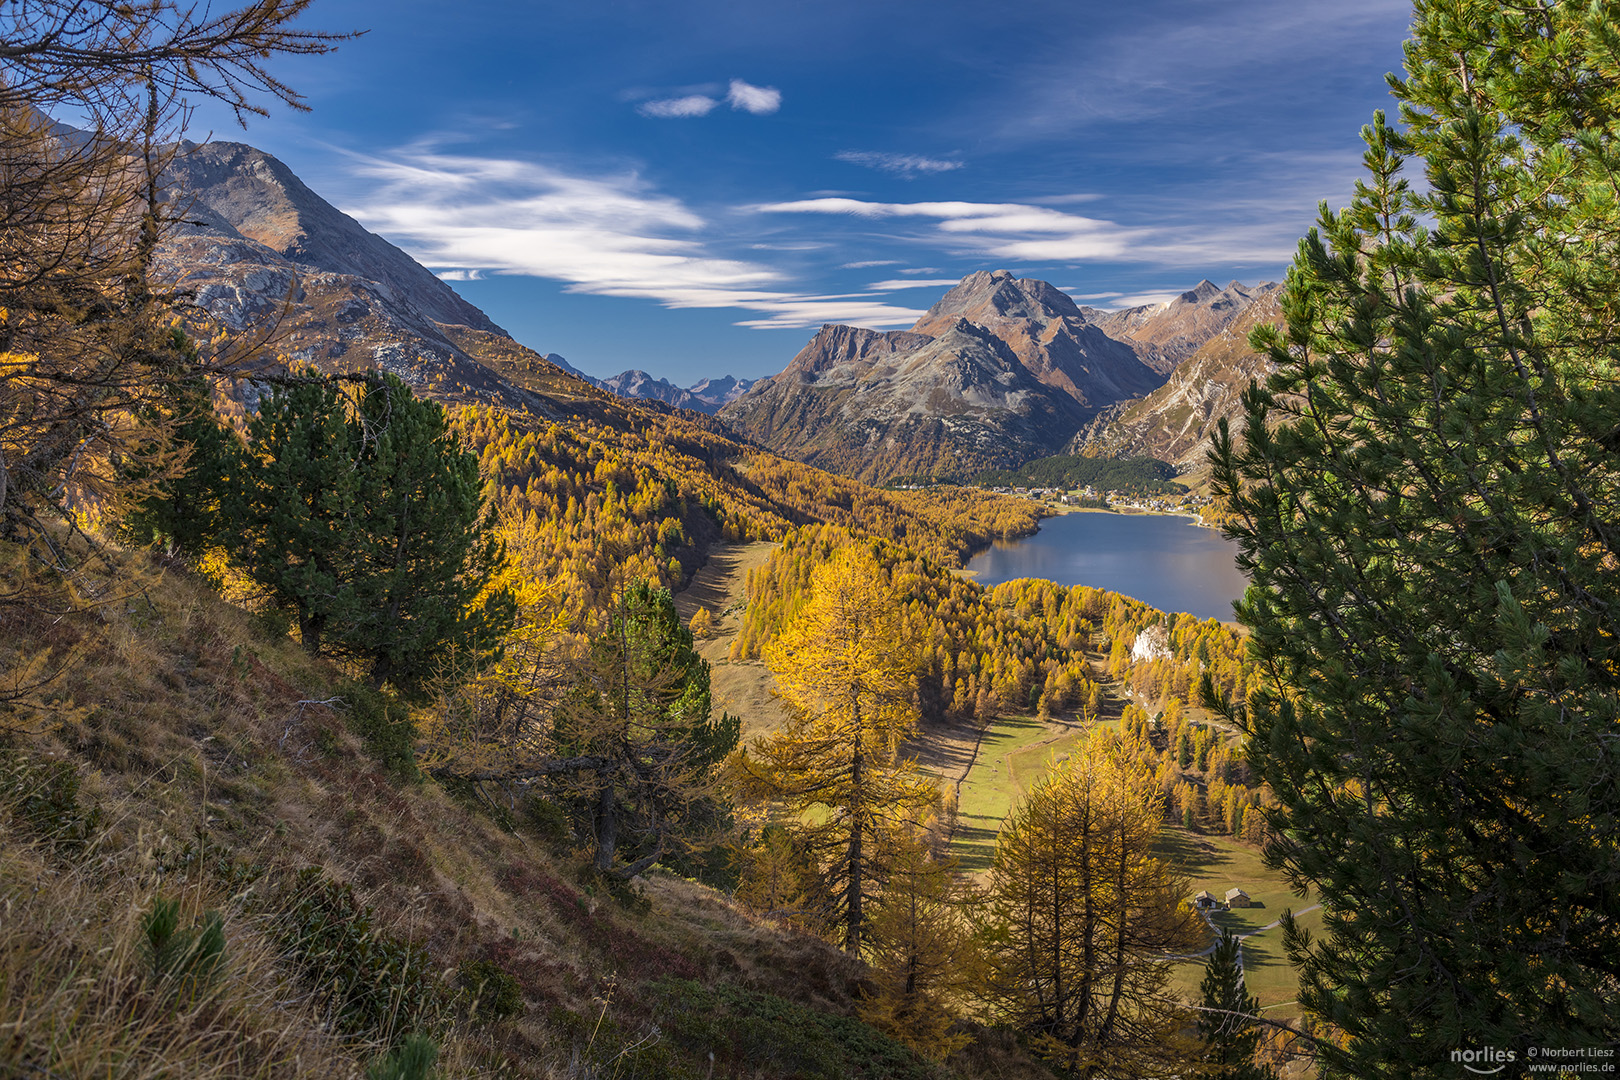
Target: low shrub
44	796
186	959
746	1028
377	985
384	724
490	992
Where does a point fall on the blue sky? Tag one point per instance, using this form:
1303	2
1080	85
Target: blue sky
691	187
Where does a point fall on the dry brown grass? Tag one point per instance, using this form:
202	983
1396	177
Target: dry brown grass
80	996
186	724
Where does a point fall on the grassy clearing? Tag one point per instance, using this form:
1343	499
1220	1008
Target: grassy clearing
741	687
1218	863
1012	756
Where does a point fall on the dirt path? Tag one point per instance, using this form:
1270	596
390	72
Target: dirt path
743	687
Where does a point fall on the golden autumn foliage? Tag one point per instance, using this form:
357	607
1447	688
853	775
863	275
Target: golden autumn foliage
595	502
1081	915
844	670
923	958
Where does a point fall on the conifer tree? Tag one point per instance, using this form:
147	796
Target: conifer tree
365	519
921	952
645	746
846	674
180	493
1081	915
1226	1022
1427	499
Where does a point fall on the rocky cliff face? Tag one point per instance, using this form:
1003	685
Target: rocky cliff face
877	405
263	254
1174	423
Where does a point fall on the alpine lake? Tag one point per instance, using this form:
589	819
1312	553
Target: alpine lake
1165	560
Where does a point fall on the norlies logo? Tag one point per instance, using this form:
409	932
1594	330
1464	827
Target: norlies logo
1486	1062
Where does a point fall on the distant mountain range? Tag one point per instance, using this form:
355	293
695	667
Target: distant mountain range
1001	370
705	395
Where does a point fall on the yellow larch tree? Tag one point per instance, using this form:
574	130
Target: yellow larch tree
1082	918
846	673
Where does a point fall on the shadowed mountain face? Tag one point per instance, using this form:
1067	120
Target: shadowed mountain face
919	402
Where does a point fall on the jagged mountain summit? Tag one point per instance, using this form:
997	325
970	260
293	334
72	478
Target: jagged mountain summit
706	395
1050	334
1174	423
931	401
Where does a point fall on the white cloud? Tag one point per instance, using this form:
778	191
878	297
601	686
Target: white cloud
678	108
906	165
759	100
463	217
911	283
1014	231
868	263
1183	235
1141	300
789	313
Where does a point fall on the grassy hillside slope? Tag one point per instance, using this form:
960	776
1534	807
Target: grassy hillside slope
159	748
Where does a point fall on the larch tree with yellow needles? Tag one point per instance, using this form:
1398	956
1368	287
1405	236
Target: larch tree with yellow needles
847	676
1082	917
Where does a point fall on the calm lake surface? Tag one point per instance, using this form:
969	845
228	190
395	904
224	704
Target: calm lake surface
1161	560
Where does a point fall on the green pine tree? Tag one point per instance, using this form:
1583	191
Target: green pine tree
180	502
361	515
1226	1021
640	725
1427	498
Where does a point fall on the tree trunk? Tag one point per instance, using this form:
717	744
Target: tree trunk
853	914
607	825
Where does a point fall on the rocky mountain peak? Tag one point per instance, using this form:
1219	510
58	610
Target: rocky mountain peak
237	192
996	294
1204	291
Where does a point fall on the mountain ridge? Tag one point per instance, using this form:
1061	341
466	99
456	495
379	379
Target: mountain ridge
883	404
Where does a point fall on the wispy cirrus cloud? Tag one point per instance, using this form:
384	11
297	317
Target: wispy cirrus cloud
1006	230
911	283
903	165
678	108
464	217
1033	233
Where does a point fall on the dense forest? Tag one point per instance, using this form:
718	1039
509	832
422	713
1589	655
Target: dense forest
1137	475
